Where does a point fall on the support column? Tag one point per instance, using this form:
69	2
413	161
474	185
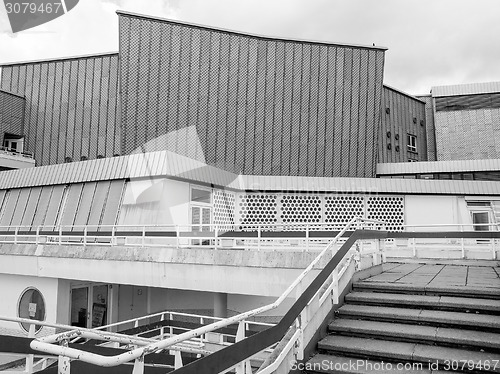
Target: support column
220	305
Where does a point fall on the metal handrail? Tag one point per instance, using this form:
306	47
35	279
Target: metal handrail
46	345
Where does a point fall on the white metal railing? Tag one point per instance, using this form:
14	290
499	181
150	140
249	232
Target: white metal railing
48	344
195	346
306	236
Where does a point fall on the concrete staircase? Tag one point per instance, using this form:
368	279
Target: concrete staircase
402	328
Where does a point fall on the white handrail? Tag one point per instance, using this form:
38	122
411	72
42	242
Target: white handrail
46	345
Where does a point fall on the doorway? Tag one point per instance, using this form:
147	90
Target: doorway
89	305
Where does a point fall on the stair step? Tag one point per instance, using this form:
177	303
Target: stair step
460	291
423	316
425	301
417	333
408	352
330	363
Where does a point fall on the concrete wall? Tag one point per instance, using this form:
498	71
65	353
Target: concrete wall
155	201
428	210
12	287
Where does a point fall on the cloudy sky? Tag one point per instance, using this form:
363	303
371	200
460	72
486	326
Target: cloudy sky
431	42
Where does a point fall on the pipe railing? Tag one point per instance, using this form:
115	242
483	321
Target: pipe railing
248	236
46	344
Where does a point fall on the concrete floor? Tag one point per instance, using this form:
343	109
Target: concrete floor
441	275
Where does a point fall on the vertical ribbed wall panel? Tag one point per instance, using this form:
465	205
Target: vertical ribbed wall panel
71	107
9	207
71	204
22	202
259	105
100	196
31	206
54	206
113	201
86	202
402	115
42	206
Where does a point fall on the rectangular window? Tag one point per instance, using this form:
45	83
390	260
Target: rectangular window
200	196
411	144
481	221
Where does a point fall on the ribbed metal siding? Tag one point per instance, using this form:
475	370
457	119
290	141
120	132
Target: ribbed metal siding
11	114
72	106
260	106
407	115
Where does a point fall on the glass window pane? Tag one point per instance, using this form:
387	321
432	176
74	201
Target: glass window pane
200	196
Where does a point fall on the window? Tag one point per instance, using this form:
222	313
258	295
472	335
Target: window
200	196
31	306
412	143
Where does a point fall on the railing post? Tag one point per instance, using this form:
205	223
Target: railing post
16	230
113	240
85	235
138	366
259	233
335	288
241	368
30	358
143	235
414	247
177	234
307	238
178	360
216	230
162	328
37	235
63	364
60	234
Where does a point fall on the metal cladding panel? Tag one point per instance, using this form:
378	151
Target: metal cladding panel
402	114
468	134
430	128
31	206
54	206
20	208
86	202
9	207
66	102
113	201
42	206
259	105
466	89
98	203
71	204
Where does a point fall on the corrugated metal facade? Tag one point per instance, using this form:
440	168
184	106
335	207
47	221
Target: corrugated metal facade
72	106
402	114
259	105
11	114
430	127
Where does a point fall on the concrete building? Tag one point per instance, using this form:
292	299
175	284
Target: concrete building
199	171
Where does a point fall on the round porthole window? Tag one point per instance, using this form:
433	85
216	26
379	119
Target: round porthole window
31	306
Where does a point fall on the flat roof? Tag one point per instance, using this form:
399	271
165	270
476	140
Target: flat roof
465	89
174	166
213	28
423	167
54	59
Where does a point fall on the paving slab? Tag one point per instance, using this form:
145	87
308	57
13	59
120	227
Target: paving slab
322	363
452	356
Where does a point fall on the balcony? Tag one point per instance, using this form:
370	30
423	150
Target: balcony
11	159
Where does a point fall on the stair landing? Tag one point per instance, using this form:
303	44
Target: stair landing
440	276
